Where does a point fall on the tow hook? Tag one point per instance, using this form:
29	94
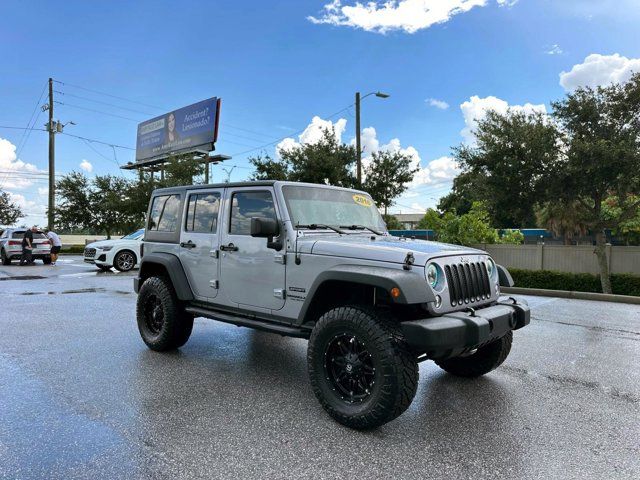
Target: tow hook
471	311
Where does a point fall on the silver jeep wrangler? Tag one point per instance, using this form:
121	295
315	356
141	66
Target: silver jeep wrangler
316	262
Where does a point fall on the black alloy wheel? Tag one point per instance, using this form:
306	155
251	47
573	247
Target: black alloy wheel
349	367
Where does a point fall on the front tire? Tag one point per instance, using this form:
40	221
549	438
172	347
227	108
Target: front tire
124	261
162	322
487	358
360	367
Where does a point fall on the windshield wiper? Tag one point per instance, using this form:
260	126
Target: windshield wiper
316	226
360	227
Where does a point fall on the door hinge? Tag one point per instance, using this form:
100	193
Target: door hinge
280	258
213	284
279	293
213	253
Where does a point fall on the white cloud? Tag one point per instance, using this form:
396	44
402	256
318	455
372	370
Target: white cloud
600	70
86	166
476	109
507	3
434	102
554	50
406	15
30	208
43	191
14	173
313	133
417	208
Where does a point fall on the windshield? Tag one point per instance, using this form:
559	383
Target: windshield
327	206
135	235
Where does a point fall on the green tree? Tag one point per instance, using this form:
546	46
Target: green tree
627	230
602	157
564	219
392	222
326	162
73	211
181	170
514	151
513	237
10	212
387	177
109	200
468	229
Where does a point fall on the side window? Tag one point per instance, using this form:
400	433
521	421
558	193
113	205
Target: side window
202	213
164	213
245	205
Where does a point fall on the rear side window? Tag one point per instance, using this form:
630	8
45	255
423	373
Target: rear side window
35	235
245	205
202	213
164	213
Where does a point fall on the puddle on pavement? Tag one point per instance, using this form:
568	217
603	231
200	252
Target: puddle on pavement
23	277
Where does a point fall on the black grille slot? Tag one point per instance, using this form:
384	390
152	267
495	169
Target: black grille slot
468	283
90	252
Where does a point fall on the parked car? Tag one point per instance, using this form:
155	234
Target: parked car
316	262
124	253
11	246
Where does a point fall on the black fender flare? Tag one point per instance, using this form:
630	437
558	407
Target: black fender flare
170	263
504	277
412	284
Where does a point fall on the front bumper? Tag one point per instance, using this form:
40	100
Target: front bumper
459	332
99	259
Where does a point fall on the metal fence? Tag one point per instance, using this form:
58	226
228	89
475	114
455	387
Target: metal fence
564	258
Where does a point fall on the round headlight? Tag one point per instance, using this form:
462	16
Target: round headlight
491	267
432	275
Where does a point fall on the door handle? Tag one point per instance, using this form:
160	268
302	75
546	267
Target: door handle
188	244
229	248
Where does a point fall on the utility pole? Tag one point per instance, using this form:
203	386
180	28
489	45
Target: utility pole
358	149
52	158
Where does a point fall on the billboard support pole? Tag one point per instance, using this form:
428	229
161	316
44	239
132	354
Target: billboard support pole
206	171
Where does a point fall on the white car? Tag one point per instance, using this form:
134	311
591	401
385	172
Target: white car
124	253
11	246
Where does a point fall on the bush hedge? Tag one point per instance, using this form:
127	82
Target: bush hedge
72	249
621	283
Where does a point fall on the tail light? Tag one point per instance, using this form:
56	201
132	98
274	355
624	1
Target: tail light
15	242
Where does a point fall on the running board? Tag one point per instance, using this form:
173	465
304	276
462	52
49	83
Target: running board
254	323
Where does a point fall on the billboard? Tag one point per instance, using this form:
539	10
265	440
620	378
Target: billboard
186	129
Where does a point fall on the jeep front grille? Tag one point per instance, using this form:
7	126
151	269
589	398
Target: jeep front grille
90	252
468	283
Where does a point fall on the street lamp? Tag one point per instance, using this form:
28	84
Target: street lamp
358	148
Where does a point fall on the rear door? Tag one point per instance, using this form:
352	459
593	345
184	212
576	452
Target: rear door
250	273
199	241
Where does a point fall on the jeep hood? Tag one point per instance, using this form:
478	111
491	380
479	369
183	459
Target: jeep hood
384	248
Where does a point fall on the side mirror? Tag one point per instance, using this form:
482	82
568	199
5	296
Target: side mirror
264	227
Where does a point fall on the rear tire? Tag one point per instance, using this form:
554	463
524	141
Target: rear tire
162	322
5	260
360	367
487	358
46	260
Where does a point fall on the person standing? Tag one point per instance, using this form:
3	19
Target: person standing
56	245
27	247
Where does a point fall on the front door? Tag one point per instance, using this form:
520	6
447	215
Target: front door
199	242
250	273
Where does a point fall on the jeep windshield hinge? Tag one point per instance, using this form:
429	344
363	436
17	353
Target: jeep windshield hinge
408	261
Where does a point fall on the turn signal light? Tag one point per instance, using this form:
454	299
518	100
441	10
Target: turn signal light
395	292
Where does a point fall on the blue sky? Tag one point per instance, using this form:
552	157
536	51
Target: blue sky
276	68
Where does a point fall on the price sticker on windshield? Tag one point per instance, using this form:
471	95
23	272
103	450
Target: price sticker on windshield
362	200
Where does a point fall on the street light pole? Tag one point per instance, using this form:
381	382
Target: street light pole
358	142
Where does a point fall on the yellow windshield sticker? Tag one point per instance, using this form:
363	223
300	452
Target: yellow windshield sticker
362	200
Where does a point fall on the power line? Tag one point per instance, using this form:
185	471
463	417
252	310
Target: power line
109	95
23	128
27	132
97	141
102	103
99	153
97	111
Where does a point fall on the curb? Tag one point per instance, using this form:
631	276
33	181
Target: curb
600	297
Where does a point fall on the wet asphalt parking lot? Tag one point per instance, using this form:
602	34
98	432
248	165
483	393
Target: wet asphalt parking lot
82	397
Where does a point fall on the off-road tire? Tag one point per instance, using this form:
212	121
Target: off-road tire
396	377
119	261
5	260
157	297
487	358
46	260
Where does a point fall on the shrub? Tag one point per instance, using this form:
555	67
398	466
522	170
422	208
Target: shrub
622	283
